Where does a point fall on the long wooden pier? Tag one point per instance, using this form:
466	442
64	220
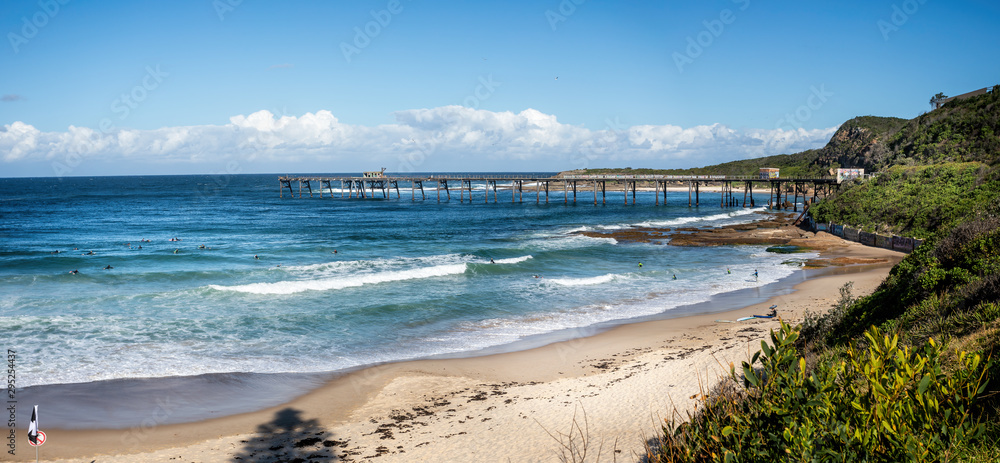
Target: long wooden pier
367	187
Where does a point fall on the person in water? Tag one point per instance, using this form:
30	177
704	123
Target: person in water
109	267
74	272
754	274
675	276
640	264
728	272
491	261
255	257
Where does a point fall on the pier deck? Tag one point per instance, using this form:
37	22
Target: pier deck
365	187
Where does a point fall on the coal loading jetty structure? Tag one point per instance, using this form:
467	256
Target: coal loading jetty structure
378	185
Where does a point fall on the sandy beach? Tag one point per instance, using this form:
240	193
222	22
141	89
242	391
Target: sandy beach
605	392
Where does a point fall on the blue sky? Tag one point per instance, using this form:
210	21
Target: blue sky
116	87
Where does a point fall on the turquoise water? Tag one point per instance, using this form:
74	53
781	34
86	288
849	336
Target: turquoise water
409	279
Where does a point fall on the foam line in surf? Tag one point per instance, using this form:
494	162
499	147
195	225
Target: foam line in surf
328	284
512	260
584	281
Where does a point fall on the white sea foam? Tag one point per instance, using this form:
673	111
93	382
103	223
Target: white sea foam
340	267
327	284
512	260
740	213
555	243
584	281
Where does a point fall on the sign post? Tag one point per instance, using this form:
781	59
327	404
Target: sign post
35	437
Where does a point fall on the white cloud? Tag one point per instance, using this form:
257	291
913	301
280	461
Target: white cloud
448	137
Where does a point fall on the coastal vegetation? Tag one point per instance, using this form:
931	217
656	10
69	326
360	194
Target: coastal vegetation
908	373
917	201
879	401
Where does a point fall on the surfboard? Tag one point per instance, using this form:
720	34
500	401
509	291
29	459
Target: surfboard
745	319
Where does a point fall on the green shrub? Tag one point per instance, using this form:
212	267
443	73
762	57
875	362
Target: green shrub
882	402
816	328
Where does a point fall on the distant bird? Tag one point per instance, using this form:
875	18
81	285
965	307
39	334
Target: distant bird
557	77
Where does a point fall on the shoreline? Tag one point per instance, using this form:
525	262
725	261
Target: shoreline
476	405
119	404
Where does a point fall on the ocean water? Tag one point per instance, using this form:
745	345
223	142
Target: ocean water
409	279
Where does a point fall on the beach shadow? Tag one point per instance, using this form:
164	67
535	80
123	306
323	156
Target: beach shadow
289	438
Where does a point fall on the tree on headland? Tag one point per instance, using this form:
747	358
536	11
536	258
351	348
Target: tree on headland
937	99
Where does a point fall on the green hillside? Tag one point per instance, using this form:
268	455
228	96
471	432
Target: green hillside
960	131
917	201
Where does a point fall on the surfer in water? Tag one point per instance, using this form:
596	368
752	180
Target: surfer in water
754	274
109	267
74	272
